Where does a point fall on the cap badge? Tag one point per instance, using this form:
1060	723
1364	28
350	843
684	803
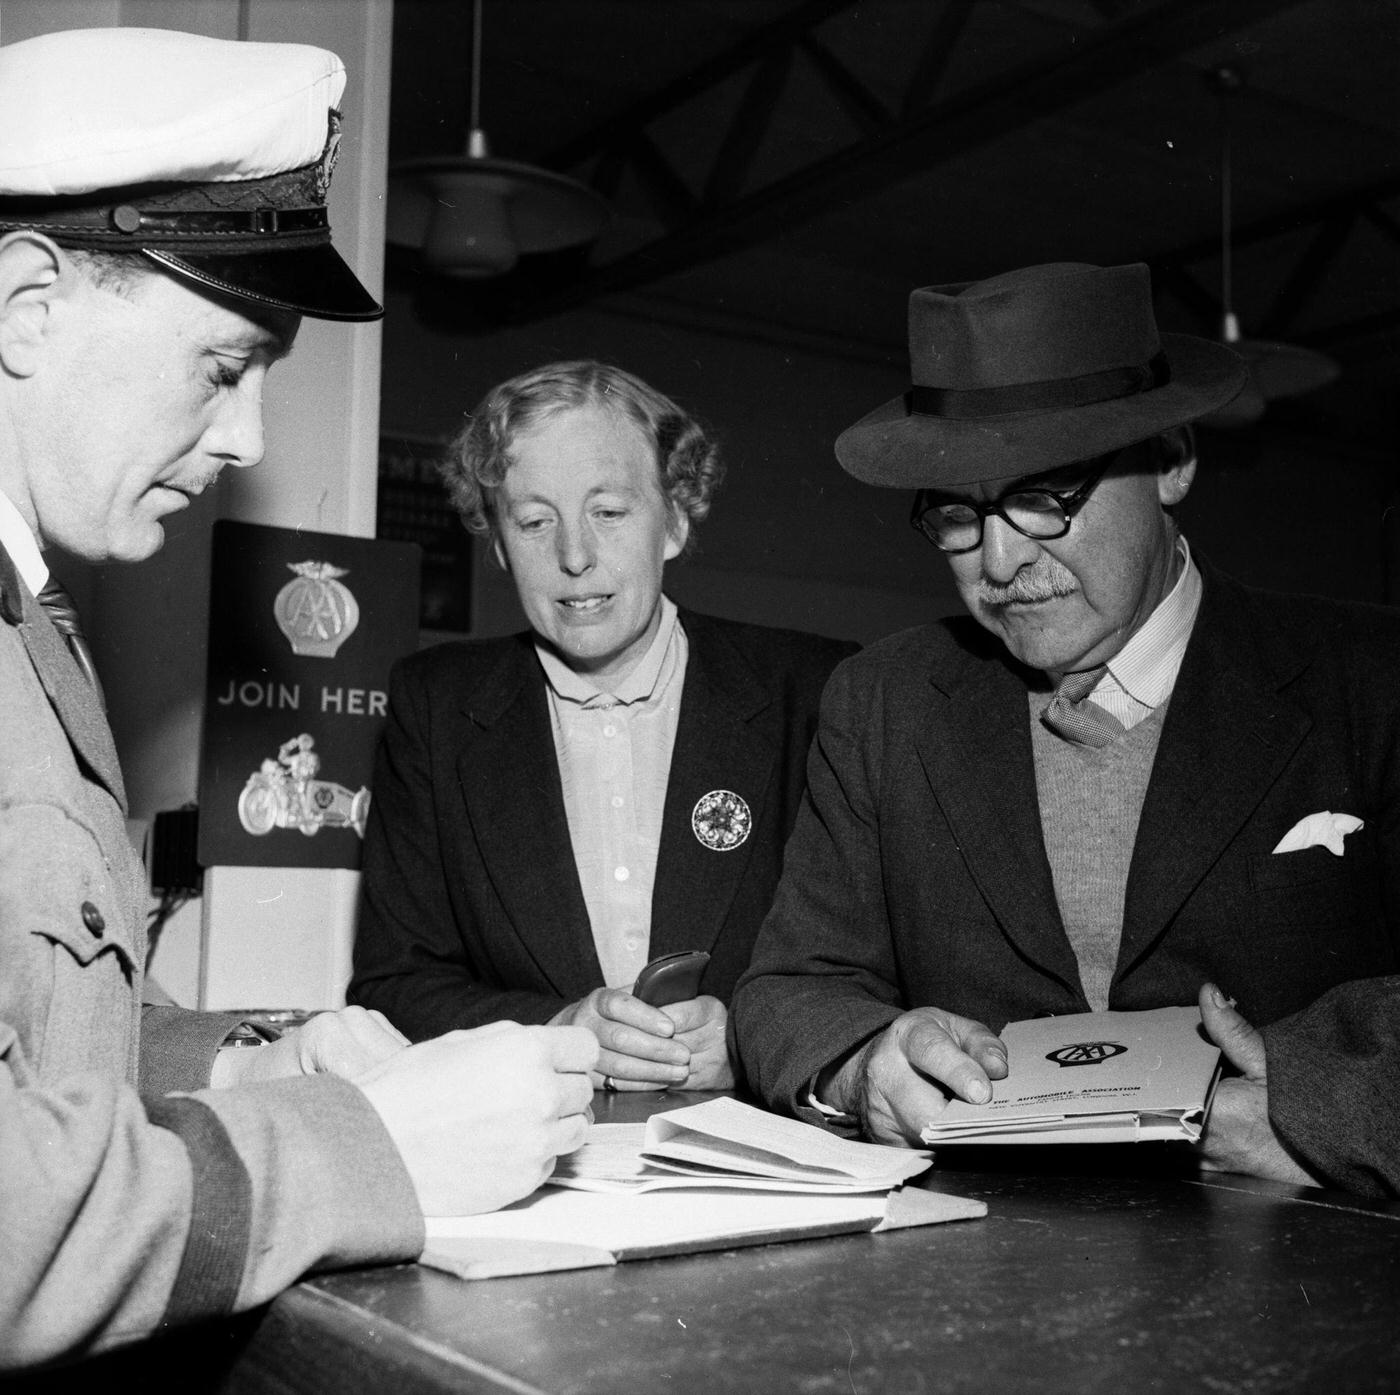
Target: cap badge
721	820
330	154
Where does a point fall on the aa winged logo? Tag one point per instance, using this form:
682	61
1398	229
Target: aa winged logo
1085	1053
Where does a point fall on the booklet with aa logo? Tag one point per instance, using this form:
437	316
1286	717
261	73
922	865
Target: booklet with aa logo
1093	1077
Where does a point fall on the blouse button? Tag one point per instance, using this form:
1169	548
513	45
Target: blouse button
92	918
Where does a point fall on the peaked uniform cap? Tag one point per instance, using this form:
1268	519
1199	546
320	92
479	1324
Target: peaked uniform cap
1032	370
211	157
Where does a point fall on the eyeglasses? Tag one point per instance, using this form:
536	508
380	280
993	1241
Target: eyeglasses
1035	513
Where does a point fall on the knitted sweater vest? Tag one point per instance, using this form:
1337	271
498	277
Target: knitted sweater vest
1090	801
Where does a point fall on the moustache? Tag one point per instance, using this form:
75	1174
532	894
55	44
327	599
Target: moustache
1042	582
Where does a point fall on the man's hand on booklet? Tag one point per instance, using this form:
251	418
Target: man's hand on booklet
902	1078
1238	1135
1093	1077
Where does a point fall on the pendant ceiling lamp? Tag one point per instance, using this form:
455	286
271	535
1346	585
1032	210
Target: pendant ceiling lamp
1275	370
473	216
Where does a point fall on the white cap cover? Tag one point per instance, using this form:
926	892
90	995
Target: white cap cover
90	109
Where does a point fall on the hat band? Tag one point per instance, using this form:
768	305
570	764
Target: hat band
1058	394
117	226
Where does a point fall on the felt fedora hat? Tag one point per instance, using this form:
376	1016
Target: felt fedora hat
1031	370
210	158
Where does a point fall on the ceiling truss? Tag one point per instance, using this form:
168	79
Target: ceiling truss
706	214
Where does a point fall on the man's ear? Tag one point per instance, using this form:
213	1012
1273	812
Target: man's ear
31	283
1176	468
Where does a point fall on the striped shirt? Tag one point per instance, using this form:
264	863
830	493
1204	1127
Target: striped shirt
1142	674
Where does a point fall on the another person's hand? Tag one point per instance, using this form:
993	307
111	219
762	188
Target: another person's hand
479	1117
640	1045
1238	1136
700	1028
903	1078
348	1043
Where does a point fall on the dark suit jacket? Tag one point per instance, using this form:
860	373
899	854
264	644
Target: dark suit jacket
917	873
472	908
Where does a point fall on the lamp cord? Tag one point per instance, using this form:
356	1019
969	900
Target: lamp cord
476	66
1226	197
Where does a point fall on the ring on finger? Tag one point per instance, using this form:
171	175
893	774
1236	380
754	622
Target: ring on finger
609	1085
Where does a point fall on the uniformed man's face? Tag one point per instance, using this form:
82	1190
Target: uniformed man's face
147	393
1073	602
584	529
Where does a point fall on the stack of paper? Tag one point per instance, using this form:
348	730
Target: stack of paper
1094	1077
704	1177
723	1143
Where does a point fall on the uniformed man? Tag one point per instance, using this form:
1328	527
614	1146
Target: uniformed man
163	229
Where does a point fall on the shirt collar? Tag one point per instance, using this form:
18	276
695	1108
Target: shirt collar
636	686
1146	666
22	546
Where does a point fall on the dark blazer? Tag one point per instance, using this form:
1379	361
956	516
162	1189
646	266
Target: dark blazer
918	875
472	910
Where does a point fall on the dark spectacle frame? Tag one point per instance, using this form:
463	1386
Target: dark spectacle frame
1042	514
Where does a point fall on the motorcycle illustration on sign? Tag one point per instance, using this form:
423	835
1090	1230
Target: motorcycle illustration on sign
285	793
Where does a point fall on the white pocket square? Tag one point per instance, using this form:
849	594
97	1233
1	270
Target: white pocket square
1326	828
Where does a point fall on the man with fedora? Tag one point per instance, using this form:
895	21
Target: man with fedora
1122	781
163	229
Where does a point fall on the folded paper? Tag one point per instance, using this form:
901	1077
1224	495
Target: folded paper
709	1176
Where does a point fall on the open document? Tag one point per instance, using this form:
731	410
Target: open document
703	1177
1093	1077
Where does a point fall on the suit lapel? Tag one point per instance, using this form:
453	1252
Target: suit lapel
976	753
721	743
1228	734
73	698
509	778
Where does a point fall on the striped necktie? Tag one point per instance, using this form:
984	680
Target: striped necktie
58	606
1072	716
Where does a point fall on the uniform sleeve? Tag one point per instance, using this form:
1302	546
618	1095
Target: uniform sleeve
117	1223
178	1047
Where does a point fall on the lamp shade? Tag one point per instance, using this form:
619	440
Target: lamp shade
1275	370
474	216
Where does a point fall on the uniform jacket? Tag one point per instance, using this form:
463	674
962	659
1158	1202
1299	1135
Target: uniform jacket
472	907
118	1217
917	873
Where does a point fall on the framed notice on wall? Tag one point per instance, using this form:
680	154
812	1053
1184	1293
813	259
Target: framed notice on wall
303	629
414	507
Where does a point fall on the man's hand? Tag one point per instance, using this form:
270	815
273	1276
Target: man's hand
479	1117
903	1078
700	1027
640	1049
1238	1136
348	1043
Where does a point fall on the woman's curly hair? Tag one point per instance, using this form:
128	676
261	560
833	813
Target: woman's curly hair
688	465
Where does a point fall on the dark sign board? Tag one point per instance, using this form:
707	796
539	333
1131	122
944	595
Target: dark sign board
303	629
413	506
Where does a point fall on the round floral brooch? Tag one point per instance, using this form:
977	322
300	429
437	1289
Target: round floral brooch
721	820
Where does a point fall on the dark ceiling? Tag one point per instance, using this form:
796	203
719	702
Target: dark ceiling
790	169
